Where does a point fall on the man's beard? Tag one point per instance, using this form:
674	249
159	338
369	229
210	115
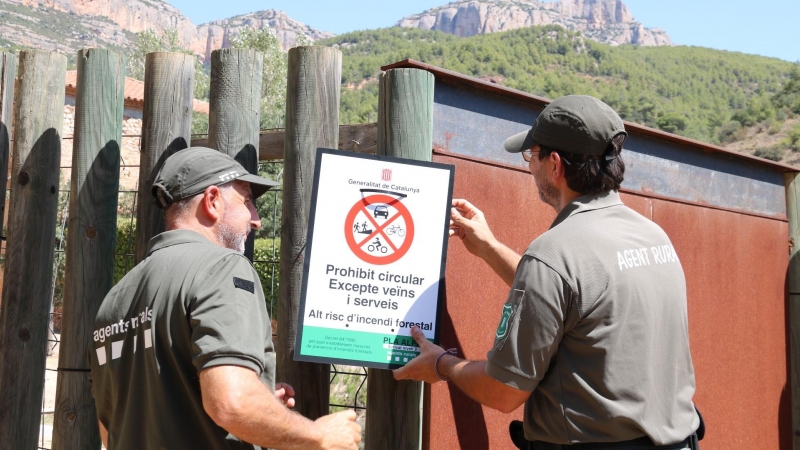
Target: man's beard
547	192
229	237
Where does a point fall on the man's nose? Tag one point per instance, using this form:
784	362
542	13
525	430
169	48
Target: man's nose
255	221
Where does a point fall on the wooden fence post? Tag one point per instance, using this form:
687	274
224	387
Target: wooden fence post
405	130
28	281
235	109
8	73
166	129
793	273
312	120
90	242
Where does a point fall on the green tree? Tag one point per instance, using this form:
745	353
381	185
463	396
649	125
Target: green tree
672	122
647	85
273	84
269	205
149	41
789	96
793	139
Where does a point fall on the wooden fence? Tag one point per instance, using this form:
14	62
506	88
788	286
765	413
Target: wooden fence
312	121
463	114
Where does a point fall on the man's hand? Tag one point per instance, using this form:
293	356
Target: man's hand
340	431
421	367
468	223
285	394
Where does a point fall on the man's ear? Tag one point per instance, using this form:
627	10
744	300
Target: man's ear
557	170
212	203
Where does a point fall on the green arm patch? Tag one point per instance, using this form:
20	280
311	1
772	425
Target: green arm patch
507	317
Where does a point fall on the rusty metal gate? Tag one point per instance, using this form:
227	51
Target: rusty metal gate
725	213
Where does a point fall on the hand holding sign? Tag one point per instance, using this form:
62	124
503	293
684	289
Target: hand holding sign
421	368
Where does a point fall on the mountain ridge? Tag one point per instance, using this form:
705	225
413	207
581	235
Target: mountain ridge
69	25
606	21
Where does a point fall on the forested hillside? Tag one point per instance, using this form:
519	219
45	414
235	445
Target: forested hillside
701	93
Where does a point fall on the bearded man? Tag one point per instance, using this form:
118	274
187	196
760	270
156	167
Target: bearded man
182	354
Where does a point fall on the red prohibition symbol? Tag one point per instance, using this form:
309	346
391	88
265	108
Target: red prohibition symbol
373	242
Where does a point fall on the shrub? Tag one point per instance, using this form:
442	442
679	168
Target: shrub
793	139
774	153
730	131
266	257
672	122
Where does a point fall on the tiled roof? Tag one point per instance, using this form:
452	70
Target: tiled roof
134	93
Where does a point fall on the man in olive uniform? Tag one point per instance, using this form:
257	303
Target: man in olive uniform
182	354
593	337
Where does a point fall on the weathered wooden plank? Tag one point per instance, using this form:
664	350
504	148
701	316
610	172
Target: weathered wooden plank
405	130
793	213
8	72
99	103
312	120
235	109
360	138
166	129
27	285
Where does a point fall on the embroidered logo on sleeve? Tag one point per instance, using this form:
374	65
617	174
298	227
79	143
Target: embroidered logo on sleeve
246	285
508	318
505	318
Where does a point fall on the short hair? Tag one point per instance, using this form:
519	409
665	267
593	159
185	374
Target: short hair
182	206
592	174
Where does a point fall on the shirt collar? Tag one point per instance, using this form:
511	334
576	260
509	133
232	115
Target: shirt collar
175	237
588	202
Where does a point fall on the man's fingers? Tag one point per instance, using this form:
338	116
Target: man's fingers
458	220
279	393
399	374
419	336
286	387
348	414
468	208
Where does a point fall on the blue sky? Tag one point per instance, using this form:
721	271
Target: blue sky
765	28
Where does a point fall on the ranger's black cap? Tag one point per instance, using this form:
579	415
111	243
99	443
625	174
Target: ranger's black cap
190	171
573	123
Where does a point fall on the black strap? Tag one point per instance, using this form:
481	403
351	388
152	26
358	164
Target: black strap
67	369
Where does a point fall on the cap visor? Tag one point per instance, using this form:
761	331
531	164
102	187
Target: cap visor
519	142
258	185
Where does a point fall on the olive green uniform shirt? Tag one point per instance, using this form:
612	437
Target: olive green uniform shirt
188	306
596	327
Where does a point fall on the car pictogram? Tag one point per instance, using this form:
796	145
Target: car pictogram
381	210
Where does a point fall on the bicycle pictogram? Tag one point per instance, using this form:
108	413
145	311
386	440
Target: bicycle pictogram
379	228
395	229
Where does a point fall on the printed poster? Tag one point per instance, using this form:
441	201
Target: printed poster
375	258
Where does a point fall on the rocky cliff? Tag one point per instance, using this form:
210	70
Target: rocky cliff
607	21
69	25
217	34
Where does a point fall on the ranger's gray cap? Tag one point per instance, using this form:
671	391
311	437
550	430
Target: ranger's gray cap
190	171
574	123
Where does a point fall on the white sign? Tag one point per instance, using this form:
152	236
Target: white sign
375	254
